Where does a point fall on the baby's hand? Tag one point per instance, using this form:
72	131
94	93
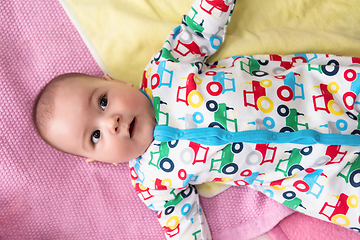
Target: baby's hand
89	160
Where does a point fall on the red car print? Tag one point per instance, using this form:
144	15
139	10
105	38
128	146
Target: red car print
186	48
259	95
327	96
190	91
340	209
213	4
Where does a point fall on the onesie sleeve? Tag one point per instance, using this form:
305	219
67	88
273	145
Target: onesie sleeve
176	201
178	211
201	33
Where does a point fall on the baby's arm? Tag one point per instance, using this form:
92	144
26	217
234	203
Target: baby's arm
201	33
178	211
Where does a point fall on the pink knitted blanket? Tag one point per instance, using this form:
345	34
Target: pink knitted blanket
45	194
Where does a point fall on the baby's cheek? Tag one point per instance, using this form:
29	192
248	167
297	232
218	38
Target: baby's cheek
123	151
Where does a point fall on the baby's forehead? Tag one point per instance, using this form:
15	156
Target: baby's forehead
74	84
79	80
69	88
72	98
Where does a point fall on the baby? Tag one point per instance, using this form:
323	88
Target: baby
101	118
287	126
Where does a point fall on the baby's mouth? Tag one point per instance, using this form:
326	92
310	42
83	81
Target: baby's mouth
131	128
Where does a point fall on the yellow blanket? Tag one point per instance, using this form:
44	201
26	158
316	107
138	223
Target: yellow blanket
122	35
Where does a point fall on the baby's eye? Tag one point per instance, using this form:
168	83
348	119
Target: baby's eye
103	102
95	137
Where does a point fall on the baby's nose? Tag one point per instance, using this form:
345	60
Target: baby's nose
114	124
116	129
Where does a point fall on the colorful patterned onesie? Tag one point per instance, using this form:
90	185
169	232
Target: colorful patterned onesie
264	121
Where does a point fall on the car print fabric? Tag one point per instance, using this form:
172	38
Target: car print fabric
287	126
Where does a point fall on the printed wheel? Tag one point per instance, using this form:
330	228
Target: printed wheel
199	99
333	87
288	195
237	147
352	201
187	156
351	116
322	160
186	37
230	168
266	83
254	158
306	151
287	129
265	109
212	105
341	219
349	101
169	210
335	64
337	112
352	178
157	56
293	167
283	110
285	97
214	85
301	186
216	124
259	73
263	63
173	144
356	132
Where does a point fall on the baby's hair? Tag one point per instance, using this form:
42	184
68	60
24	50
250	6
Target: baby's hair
44	103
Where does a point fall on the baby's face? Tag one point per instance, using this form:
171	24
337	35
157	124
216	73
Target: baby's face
103	120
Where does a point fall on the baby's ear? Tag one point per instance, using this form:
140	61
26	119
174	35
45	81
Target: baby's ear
107	77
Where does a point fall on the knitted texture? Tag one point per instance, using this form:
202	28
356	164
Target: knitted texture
45	194
311	229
